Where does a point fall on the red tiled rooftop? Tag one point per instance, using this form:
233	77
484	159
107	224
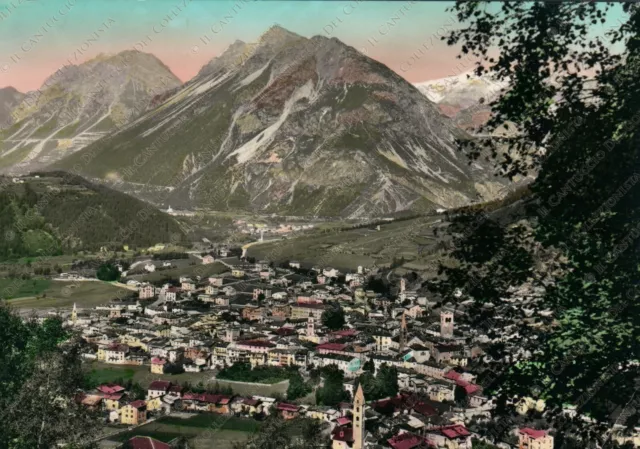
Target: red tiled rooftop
191	396
425	409
138	404
160	385
533	433
147	443
471	388
405	441
158	361
288	407
397	402
343	420
454	431
342	434
310	306
258	343
453	375
114	397
331	347
118	347
110	388
208	398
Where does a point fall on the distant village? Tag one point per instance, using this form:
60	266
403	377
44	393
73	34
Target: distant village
256	228
262	315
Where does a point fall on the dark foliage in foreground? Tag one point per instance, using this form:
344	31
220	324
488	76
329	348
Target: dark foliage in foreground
40	375
579	241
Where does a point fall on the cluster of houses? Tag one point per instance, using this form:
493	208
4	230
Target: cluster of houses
261	229
417	423
267	316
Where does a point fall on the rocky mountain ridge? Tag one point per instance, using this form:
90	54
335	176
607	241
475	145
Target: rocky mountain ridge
294	126
78	105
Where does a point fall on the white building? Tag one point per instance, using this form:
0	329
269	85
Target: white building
146	291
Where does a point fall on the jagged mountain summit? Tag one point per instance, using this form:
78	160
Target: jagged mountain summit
293	126
77	105
465	97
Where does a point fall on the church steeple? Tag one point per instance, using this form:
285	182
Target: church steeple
403	332
74	314
358	419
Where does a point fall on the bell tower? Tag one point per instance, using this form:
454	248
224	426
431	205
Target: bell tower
311	328
403	289
402	340
446	323
358	419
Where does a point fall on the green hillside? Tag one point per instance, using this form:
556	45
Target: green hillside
55	213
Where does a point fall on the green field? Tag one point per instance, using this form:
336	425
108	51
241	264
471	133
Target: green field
206	420
220	439
18	288
259	374
67	293
105	372
411	239
109	373
248	389
205	430
152	430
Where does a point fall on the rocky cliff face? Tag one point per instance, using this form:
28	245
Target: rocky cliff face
292	126
9	99
77	105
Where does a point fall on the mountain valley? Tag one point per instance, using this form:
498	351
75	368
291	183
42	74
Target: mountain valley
292	126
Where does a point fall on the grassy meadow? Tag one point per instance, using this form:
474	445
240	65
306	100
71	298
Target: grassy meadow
51	294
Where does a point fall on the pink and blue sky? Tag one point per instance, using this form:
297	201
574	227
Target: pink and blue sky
39	36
